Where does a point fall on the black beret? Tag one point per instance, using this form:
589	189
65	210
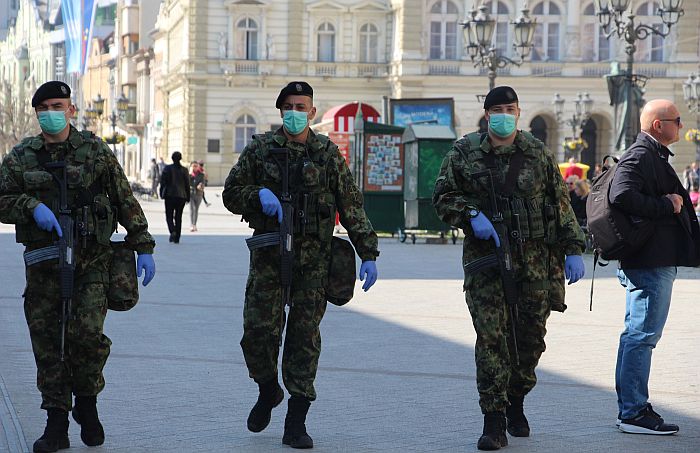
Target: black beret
298	88
500	95
51	90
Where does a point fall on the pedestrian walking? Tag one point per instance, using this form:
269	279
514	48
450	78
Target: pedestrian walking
71	176
206	183
161	165
175	190
320	184
509	179
646	187
154	176
196	193
581	190
691	177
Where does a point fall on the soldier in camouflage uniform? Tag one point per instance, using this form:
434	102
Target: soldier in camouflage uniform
98	195
321	185
533	202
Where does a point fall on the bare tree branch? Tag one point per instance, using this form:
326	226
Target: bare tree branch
17	119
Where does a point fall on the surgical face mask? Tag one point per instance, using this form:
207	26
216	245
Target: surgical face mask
502	124
52	121
295	122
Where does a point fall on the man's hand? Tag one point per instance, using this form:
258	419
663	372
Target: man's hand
270	204
145	262
677	201
484	230
368	270
574	269
46	220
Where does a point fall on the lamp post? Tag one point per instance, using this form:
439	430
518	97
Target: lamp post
478	30
583	105
97	110
616	20
691	96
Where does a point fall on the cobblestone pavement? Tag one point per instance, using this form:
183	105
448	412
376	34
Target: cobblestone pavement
396	373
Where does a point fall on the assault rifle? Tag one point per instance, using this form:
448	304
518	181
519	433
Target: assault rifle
65	244
502	259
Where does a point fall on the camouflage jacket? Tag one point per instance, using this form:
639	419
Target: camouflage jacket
255	170
89	163
547	222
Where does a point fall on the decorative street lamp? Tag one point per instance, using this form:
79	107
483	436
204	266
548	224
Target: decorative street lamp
616	20
691	95
478	30
583	105
97	110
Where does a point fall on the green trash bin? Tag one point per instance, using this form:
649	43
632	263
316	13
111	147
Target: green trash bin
425	147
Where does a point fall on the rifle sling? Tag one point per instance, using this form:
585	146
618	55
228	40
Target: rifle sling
517	160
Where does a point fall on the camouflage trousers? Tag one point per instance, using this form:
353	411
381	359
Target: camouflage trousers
86	346
263	323
497	374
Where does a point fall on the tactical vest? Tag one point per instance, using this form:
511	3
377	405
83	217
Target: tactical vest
534	217
309	186
90	206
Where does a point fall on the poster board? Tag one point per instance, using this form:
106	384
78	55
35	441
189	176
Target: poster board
383	163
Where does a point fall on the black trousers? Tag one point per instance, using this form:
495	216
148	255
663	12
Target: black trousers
173	216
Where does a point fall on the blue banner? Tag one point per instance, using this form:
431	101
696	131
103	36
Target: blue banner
78	19
427	111
89	9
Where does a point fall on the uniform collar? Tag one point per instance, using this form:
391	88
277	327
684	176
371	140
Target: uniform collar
521	142
74	139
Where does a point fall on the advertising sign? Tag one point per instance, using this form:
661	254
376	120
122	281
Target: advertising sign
430	111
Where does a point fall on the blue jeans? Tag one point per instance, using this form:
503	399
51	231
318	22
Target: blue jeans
648	297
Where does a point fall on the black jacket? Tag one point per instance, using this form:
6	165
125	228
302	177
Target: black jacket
642	178
175	182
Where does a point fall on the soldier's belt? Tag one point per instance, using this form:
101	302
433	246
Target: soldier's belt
40	255
263	240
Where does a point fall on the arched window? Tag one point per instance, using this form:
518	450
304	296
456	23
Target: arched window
589	133
369	39
547	38
326	42
499	11
245	128
247	39
444	16
594	45
651	48
538	128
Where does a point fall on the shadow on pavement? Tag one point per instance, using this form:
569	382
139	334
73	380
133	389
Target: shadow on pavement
396	373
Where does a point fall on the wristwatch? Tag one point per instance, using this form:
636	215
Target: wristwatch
473	213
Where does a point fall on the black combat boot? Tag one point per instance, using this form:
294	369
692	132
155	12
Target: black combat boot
271	395
517	425
85	413
56	433
294	424
494	435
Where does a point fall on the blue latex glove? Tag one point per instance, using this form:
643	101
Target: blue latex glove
484	230
574	268
145	262
270	204
368	274
45	218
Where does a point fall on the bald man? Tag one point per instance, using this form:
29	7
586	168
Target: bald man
646	187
